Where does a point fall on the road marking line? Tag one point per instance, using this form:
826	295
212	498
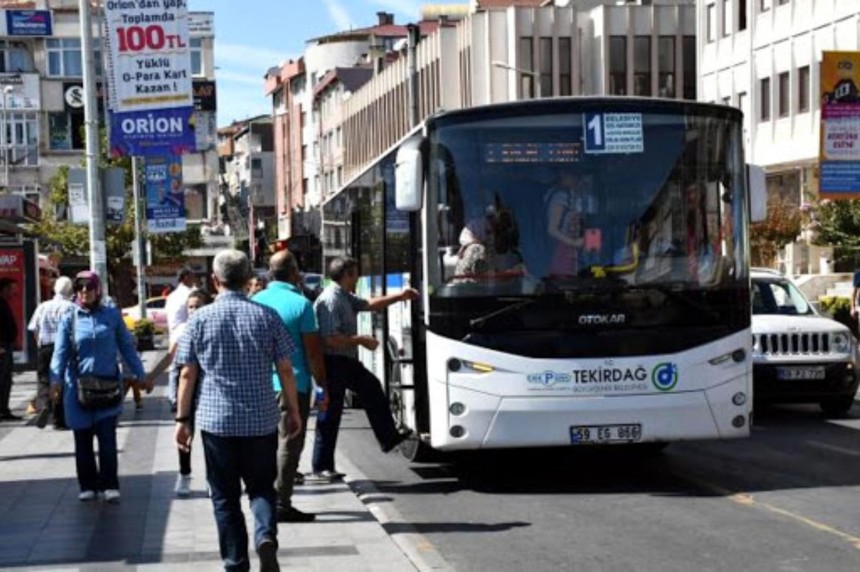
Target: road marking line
746	499
834	448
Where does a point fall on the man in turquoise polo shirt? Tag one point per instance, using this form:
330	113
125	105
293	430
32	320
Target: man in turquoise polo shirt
285	297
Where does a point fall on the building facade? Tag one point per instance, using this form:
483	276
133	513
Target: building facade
503	52
764	57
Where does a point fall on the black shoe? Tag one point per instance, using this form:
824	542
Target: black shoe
299	479
42	417
402	435
267	550
293	514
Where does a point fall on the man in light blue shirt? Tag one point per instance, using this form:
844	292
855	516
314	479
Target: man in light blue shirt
285	297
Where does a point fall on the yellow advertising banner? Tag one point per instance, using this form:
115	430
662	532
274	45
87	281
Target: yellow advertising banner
839	149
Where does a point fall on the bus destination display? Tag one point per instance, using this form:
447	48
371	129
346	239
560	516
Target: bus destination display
524	152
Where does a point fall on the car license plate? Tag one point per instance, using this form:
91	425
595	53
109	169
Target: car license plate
791	373
598	434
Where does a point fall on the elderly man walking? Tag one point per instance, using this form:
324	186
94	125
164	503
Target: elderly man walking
284	296
229	348
44	325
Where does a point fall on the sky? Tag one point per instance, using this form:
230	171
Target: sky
253	35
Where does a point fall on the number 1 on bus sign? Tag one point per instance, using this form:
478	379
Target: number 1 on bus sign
595	139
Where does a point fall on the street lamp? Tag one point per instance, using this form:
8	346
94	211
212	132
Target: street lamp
6	91
534	75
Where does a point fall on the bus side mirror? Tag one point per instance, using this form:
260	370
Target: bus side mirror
409	176
758	193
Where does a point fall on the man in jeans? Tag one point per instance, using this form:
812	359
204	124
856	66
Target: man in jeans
229	347
284	296
336	310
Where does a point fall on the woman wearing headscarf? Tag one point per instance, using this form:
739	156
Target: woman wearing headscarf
87	344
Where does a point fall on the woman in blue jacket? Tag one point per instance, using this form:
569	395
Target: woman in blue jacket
99	333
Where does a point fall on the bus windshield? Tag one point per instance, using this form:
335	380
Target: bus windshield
574	207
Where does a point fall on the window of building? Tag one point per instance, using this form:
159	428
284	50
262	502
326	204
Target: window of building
32	193
642	65
527	80
727	17
764	5
764	99
688	53
803	89
784	94
65	131
545	66
22	134
14	57
565	70
666	66
742	15
617	65
197	57
711	21
64	57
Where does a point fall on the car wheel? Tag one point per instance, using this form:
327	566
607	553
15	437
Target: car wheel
837	406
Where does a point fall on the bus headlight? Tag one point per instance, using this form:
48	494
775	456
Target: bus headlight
841	343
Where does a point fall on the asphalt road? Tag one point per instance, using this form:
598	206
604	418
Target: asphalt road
787	499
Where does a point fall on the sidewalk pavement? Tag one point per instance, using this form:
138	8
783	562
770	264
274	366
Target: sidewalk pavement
44	527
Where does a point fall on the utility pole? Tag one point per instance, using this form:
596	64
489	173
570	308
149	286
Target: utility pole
98	245
138	238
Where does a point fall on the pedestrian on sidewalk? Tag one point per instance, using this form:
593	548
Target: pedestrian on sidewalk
176	309
336	309
8	336
44	324
196	300
229	348
88	340
283	294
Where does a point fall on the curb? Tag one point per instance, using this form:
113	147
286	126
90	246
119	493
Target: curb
417	548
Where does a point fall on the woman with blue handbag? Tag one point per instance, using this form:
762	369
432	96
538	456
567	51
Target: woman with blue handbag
84	367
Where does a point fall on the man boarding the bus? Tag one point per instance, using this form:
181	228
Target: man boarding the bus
336	310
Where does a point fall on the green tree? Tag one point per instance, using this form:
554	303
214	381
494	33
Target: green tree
73	240
837	224
781	227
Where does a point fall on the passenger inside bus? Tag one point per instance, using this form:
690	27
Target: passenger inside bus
569	204
489	246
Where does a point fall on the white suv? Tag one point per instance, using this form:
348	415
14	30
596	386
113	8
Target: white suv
799	356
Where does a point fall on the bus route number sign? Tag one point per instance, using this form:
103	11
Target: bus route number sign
613	133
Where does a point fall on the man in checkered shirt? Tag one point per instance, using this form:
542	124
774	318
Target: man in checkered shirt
229	347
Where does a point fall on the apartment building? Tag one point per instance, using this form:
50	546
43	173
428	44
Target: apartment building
306	138
504	51
764	56
43	105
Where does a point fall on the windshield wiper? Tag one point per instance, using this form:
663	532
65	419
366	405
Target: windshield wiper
501	311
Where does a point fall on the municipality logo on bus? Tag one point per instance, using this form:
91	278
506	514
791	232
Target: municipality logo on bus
548	378
665	376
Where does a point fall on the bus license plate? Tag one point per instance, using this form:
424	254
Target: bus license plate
789	373
599	434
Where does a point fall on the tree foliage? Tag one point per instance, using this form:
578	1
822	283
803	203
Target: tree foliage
782	226
837	223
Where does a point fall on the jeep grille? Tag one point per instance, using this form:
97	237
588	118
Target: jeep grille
793	344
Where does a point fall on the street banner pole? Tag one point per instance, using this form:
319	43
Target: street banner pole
98	246
138	237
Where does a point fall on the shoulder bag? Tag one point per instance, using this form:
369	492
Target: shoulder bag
94	391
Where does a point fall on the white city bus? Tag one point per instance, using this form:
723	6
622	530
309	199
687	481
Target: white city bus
583	266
